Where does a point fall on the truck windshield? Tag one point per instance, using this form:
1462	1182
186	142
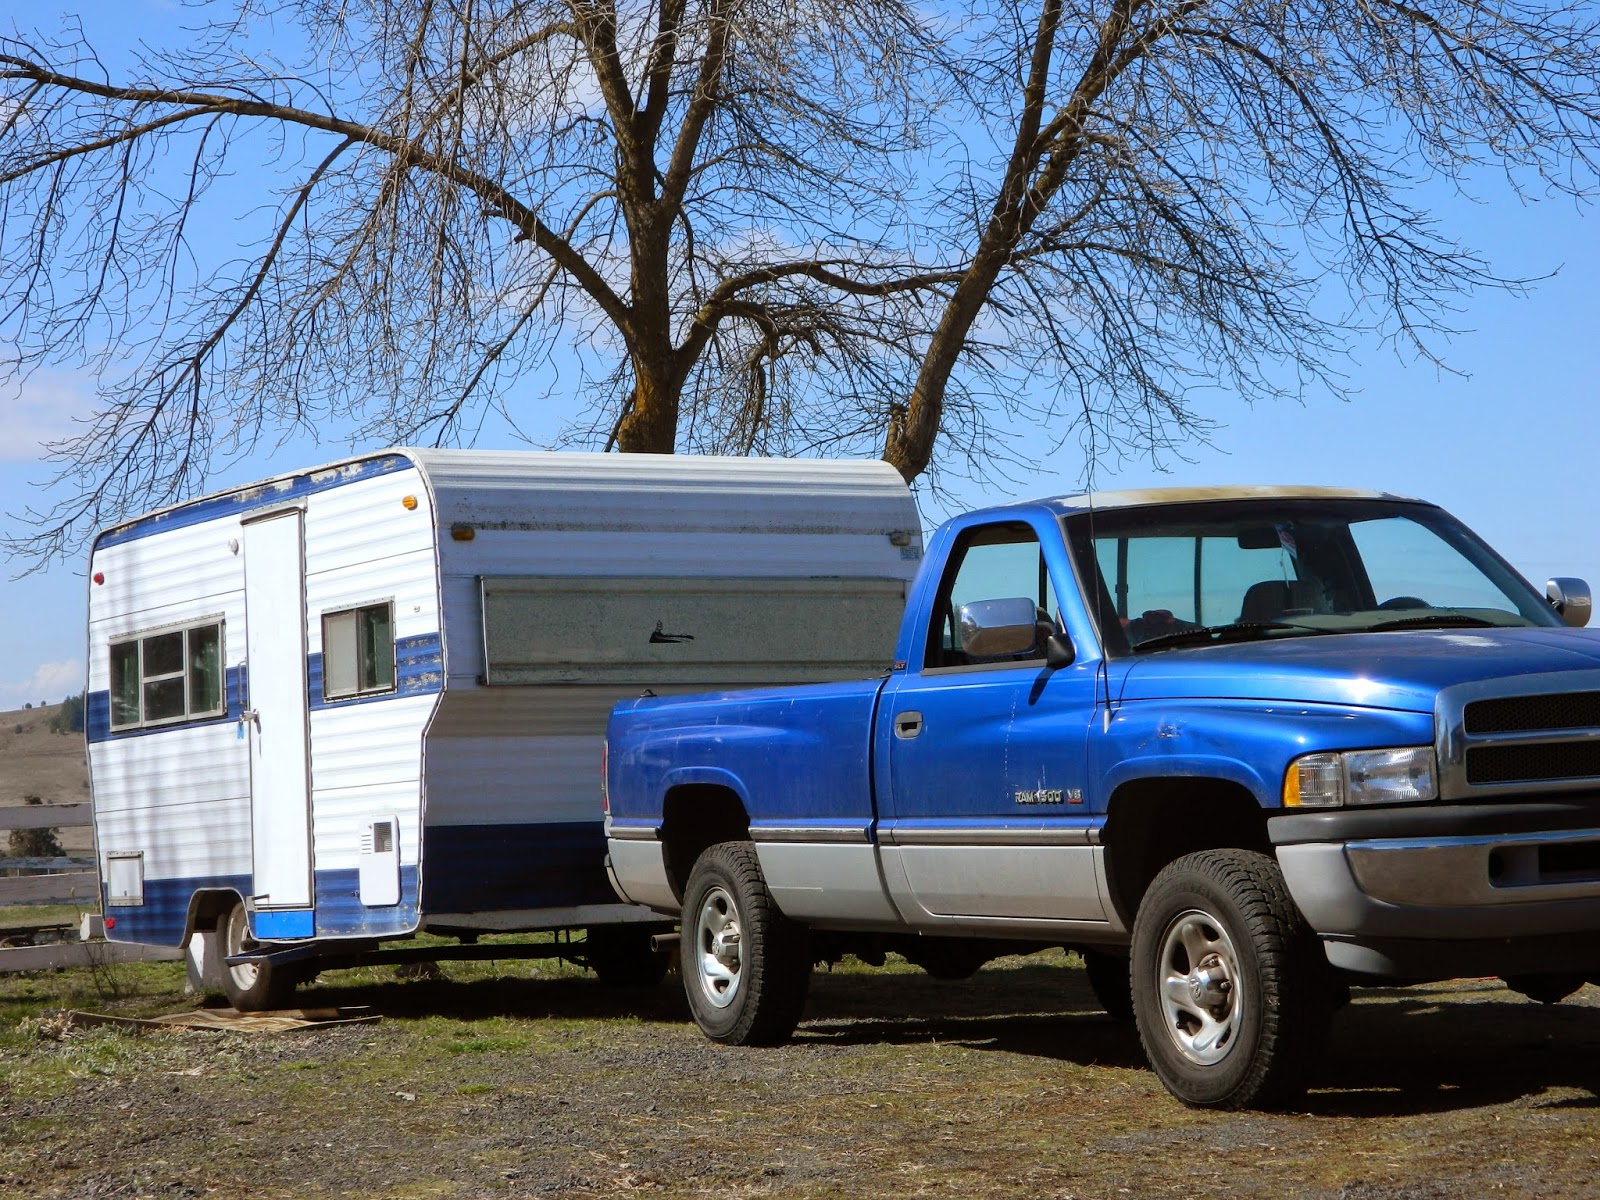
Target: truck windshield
1173	575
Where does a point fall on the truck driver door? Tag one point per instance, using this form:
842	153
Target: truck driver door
985	808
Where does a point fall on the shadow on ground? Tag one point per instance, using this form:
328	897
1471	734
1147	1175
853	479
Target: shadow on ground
1393	1052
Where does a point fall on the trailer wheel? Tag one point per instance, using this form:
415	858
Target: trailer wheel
621	956
746	967
1108	979
251	987
1230	986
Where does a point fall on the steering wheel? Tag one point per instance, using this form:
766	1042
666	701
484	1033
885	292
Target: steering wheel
1394	602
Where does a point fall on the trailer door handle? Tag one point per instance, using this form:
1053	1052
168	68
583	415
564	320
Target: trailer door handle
907	725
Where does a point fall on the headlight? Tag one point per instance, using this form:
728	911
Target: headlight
1401	776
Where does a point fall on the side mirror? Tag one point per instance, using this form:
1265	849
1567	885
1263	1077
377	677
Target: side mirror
1570	598
998	628
1058	651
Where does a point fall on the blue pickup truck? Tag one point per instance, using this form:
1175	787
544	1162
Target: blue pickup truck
1241	748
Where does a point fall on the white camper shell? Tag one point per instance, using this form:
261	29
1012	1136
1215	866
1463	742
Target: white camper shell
354	702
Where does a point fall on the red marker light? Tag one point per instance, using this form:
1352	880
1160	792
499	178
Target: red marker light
111	922
99	577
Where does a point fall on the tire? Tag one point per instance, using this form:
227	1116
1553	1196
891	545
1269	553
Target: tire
1109	980
621	956
746	967
255	987
1230	986
947	958
1546	989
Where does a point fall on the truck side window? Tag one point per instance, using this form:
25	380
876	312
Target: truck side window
358	652
991	562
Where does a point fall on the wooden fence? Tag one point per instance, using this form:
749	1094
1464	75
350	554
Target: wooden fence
58	881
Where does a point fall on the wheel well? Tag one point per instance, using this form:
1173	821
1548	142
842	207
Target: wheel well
1150	822
693	817
206	909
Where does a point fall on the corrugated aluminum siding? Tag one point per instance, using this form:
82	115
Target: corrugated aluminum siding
181	794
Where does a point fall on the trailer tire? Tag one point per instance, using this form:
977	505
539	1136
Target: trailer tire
1109	981
622	957
746	967
254	987
1230	986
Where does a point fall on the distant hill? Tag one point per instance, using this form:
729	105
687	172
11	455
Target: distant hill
36	762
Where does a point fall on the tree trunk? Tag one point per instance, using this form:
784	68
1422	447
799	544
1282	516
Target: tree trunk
650	424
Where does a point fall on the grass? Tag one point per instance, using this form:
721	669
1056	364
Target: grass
529	1078
26	916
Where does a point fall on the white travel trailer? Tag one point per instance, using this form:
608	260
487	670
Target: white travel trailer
351	703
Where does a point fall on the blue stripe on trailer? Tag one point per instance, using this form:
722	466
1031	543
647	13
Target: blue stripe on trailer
418	671
487	868
340	912
97	713
160	920
280	923
263	496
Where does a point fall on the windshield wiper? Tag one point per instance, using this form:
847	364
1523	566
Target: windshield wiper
1215	635
1436	621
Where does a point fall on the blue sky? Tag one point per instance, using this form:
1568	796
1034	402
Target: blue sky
1509	445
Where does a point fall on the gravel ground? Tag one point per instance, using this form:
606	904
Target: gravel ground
1010	1084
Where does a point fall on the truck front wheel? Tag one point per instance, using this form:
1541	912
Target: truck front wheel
746	967
1229	983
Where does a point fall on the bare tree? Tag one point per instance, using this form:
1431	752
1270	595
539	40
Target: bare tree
690	192
1199	193
759	226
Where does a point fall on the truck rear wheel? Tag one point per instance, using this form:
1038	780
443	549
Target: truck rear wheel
746	967
251	987
1229	983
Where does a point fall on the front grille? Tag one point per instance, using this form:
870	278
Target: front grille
1518	764
1522	714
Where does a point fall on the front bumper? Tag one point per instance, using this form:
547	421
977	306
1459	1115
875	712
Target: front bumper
1449	890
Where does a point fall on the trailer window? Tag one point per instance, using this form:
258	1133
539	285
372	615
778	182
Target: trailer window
358	652
161	678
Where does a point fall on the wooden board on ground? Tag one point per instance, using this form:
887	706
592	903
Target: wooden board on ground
278	1021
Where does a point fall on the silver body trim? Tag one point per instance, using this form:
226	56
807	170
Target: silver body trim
833	834
1068	836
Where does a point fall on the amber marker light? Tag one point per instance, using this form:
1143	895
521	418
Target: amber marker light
462	533
409	503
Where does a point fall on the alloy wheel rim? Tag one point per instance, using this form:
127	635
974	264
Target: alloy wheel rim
1198	978
718	951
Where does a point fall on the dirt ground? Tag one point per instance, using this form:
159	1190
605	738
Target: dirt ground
1012	1083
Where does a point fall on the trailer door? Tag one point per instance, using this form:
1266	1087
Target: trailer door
275	650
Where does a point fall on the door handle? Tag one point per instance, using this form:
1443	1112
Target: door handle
907	725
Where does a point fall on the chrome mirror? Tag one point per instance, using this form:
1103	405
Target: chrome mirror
998	628
1570	598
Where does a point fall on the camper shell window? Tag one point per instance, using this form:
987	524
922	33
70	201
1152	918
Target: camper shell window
358	652
164	677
